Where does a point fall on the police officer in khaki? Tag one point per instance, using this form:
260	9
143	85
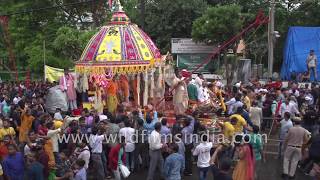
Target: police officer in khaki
296	137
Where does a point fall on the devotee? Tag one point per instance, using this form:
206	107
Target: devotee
285	125
26	125
220	169
81	173
244	169
203	153
34	168
187	131
117	157
95	143
174	164
128	133
256	114
256	142
155	147
83	152
67	85
192	91
7	130
233	104
239	123
13	164
165	131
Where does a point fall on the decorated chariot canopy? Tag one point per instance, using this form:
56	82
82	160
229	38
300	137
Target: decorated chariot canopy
120	47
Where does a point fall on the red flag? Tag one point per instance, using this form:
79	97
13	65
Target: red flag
110	4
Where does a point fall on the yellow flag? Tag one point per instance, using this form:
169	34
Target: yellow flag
53	74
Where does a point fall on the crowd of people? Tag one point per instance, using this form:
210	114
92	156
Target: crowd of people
31	145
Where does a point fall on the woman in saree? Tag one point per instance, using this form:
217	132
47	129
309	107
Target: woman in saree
244	169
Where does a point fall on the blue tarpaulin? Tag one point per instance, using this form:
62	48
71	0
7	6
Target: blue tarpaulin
300	40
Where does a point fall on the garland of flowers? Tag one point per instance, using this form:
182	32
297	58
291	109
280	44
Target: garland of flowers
102	80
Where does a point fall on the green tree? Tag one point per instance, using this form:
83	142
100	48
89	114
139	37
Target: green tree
71	42
218	24
60	28
166	19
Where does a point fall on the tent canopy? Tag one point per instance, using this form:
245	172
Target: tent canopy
300	40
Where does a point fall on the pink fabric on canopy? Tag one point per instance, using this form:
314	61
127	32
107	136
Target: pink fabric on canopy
95	43
130	47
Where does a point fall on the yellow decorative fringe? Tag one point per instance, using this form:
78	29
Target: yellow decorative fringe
120	69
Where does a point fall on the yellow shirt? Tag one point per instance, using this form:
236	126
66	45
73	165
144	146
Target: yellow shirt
228	130
240	123
247	102
7	131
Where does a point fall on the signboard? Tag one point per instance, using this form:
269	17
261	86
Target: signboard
192	61
187	46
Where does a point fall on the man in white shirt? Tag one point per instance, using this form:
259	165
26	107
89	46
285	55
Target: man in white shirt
155	146
285	125
57	114
233	104
229	104
255	113
95	143
203	153
129	134
53	134
16	99
83	153
293	107
312	64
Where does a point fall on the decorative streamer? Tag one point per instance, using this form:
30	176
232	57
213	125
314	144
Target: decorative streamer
145	92
152	83
138	88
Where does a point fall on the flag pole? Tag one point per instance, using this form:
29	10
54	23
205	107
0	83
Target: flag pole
44	59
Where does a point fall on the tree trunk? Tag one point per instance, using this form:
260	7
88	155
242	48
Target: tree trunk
4	20
142	13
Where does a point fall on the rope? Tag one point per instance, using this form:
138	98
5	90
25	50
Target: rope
260	20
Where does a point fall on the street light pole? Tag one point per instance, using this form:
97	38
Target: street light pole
271	38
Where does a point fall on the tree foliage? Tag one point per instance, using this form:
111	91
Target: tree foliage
218	24
167	19
66	29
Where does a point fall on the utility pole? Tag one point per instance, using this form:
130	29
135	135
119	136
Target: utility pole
271	38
